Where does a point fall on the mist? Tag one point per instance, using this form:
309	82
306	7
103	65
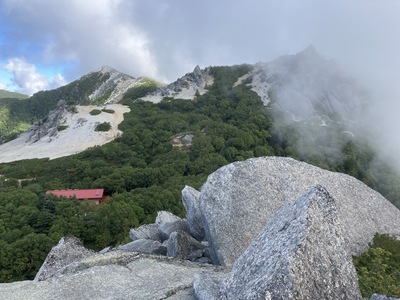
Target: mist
163	39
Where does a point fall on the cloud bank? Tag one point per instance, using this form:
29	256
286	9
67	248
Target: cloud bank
165	39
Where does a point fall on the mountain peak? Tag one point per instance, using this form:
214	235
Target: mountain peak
309	55
106	69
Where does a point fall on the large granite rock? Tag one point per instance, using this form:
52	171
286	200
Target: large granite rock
145	246
114	275
237	200
300	254
164	217
68	250
181	245
147	231
168	223
190	199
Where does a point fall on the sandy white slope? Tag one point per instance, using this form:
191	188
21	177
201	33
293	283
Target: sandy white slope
79	135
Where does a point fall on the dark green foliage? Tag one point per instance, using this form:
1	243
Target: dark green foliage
105	126
142	172
141	89
109	111
12	95
95	112
379	268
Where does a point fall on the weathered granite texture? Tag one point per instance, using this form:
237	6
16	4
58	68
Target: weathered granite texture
300	254
114	275
181	245
145	246
206	284
68	249
147	231
168	223
190	199
237	200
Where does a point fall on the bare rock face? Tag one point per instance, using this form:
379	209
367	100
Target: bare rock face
50	125
168	223
147	231
300	254
190	199
164	217
145	246
186	87
239	199
181	245
113	275
68	250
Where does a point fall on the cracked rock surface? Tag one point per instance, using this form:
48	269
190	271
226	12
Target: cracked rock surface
114	275
238	199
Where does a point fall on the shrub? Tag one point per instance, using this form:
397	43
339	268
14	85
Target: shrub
105	126
95	112
379	268
109	111
62	127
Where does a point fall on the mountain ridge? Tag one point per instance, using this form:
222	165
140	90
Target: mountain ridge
302	88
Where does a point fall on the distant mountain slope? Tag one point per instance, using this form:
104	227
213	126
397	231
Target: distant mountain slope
302	87
12	95
75	133
102	86
186	87
306	86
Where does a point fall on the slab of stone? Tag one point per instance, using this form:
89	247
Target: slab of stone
237	201
145	246
113	276
190	199
206	284
166	217
68	249
147	232
166	229
300	254
181	245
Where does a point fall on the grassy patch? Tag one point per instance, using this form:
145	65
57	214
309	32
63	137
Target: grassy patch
109	111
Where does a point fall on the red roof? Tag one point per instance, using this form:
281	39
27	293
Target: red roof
79	194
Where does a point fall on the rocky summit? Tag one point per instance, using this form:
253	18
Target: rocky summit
280	228
239	199
299	254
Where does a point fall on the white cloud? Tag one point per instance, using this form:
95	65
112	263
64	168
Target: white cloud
81	33
27	80
3	86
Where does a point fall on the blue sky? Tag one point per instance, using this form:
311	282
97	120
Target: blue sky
47	43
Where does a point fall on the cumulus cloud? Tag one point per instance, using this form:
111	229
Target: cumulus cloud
2	86
81	34
27	80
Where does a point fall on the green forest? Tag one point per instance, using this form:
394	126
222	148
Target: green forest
143	172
